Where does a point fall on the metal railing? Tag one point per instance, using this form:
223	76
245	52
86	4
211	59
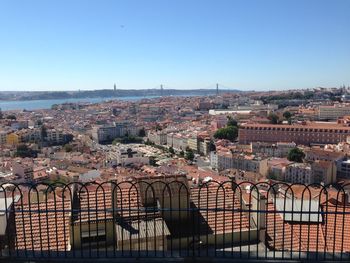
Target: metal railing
162	218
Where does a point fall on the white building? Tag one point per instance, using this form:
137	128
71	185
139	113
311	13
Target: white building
104	133
179	142
108	133
225	160
299	173
280	149
55	136
157	137
333	112
127	156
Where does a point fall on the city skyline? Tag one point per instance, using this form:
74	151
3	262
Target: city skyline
87	45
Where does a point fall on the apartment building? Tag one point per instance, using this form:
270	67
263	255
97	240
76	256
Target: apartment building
324	171
127	156
3	135
20	124
13	139
225	160
157	137
333	112
55	136
107	133
277	168
220	121
126	128
314	154
177	141
343	168
308	133
203	147
316	172
193	143
30	135
299	173
336	159
280	149
104	133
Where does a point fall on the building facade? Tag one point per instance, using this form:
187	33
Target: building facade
300	134
333	112
299	173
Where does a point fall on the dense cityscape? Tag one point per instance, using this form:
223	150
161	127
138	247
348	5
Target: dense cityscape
252	139
174	131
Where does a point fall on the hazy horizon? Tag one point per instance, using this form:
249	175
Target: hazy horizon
245	45
180	89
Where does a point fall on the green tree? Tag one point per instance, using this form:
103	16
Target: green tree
231	121
152	161
228	133
54	107
212	146
189	155
287	115
127	139
182	153
274	119
142	132
148	142
11	117
24	151
296	155
68	148
171	150
1	116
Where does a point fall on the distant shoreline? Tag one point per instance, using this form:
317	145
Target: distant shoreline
42	104
116	94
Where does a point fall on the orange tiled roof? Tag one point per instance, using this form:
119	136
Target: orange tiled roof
220	221
47	230
331	235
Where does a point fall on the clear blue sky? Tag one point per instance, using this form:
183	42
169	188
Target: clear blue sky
70	45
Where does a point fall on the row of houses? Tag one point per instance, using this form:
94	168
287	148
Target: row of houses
181	141
227	160
107	133
316	169
51	136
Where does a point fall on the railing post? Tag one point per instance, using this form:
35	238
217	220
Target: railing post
258	216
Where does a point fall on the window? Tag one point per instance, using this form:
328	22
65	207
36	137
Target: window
93	236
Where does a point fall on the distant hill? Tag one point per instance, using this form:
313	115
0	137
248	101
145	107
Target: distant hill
106	93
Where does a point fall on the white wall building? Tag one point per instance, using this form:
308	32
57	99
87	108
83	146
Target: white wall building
127	156
299	173
333	112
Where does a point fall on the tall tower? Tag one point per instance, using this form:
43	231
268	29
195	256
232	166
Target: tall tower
217	89
161	90
115	87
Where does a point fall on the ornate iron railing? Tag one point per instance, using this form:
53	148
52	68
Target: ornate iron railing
170	218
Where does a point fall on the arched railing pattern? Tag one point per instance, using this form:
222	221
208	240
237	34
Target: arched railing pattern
162	218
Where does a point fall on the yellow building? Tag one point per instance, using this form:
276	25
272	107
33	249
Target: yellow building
13	139
192	143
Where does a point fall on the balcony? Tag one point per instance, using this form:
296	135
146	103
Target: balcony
170	218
